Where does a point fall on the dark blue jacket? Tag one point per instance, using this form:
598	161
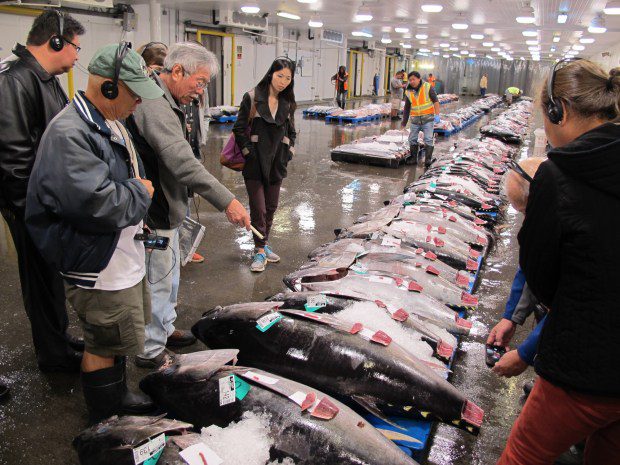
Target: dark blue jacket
81	193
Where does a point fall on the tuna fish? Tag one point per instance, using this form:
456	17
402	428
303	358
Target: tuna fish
336	356
306	425
117	440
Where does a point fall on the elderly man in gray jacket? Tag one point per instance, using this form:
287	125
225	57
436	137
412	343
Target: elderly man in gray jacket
158	128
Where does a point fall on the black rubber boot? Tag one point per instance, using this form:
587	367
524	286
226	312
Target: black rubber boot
106	394
5	392
102	393
413	154
136	403
428	156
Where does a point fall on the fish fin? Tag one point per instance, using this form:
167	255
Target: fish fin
369	404
396	436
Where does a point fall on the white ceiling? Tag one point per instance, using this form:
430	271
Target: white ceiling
493	18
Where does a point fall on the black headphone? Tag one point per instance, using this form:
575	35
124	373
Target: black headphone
57	42
555	112
109	89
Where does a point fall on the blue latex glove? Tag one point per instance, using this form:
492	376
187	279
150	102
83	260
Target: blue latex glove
437	119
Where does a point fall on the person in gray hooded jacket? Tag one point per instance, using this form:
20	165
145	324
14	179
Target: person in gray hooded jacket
159	130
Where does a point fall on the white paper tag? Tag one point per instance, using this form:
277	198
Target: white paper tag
298	397
199	454
149	449
265	320
227	390
366	334
380	279
261	378
442	197
317	301
390	241
411	209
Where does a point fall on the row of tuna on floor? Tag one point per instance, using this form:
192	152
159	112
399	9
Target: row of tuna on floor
372	318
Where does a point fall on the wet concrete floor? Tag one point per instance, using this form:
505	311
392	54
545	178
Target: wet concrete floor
46	411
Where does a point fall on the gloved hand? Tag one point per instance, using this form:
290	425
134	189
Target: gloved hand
437	119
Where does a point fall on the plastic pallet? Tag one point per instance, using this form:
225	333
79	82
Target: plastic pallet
367	160
225	119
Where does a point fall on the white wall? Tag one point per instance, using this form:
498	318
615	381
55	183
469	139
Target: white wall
320	59
611	60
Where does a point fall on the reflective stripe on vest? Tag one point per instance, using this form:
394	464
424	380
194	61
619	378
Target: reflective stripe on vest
421	105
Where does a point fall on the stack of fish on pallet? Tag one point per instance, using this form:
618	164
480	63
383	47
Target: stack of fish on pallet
464	116
222	110
510	126
320	110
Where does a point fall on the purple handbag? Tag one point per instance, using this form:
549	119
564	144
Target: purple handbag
231	155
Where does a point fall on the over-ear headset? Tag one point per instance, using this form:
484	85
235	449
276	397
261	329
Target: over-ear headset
57	42
109	89
555	112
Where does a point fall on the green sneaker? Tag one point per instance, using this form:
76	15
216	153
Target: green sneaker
271	256
258	263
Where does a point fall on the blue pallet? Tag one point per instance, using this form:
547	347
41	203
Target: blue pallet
346	119
225	119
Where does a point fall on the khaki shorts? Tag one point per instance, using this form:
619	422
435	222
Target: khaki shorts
395	103
113	321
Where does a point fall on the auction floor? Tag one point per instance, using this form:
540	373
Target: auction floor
46	411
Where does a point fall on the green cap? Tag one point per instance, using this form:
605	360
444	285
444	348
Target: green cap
133	72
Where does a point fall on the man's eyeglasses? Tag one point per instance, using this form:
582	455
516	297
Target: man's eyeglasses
513	165
76	47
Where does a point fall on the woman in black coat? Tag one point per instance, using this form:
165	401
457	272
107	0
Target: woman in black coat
570	255
268	110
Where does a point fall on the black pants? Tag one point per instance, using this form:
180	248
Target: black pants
341	98
263	205
43	294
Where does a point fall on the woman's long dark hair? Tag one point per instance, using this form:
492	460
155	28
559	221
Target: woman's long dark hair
287	94
342	71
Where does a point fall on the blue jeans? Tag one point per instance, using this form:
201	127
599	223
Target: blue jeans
416	125
341	99
483	91
163	272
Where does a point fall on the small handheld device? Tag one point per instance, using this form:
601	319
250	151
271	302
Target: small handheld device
493	354
152	241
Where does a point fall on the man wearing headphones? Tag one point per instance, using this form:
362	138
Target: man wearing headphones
84	210
30	96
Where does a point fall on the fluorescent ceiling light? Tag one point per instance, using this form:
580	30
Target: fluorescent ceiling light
612	8
489	57
444	45
446	56
287	15
495	49
526	15
464	52
477	36
386	40
488	44
306	1
250	9
531	42
363	14
401	30
406	45
578	47
536	58
556	39
586	40
361	34
522	58
530	33
509	58
432	8
436	53
453	49
562	18
552	49
424	50
597	26
315	22
460	26
472	55
421	36
456	55
534	49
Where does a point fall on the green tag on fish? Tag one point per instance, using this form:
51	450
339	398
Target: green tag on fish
149	452
315	302
267	321
358	268
241	388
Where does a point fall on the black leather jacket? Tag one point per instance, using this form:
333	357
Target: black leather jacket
29	98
